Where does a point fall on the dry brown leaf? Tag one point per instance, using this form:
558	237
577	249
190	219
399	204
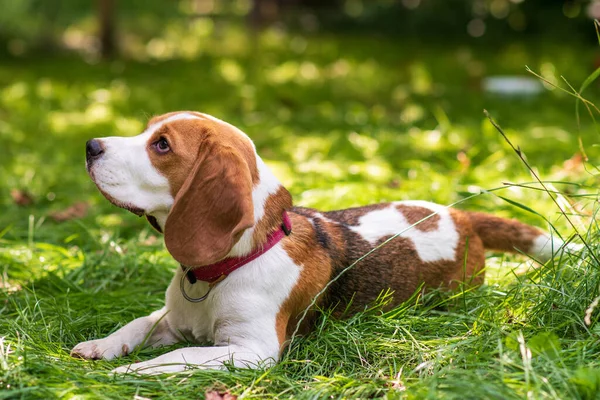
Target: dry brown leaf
394	183
149	241
76	211
21	197
464	160
214	395
574	164
397	384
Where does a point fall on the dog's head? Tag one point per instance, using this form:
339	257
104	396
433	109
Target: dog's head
192	172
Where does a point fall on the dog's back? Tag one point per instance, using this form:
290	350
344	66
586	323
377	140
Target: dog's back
436	246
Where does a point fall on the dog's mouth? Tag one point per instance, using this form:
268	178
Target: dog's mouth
126	206
137	211
152	220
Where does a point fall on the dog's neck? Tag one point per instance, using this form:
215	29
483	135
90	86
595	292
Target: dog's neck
269	198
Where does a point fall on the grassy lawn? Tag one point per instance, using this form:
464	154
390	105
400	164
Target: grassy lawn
342	121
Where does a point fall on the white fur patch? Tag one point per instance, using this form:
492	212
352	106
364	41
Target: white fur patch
431	246
544	247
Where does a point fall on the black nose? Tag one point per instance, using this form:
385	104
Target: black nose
93	149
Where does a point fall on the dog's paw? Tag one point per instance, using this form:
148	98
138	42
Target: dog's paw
100	349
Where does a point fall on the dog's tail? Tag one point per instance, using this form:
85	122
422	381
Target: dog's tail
513	236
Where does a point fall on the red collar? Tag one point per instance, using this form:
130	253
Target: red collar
218	271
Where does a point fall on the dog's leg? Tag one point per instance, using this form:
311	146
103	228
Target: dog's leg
247	345
152	329
198	357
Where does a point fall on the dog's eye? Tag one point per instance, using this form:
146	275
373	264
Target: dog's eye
162	146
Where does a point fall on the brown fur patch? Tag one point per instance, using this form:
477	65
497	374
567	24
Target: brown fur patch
470	253
315	272
414	214
328	234
274	206
503	234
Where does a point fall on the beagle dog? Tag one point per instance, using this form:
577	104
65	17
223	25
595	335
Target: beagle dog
251	263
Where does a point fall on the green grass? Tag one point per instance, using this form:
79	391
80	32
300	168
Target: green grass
342	121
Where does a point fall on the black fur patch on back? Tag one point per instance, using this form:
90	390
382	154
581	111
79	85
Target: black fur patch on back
322	236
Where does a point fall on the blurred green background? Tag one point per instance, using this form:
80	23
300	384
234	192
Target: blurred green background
349	101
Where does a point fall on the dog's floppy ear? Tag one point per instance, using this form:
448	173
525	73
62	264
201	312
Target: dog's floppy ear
213	207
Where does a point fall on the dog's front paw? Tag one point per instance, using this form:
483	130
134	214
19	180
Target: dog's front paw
100	349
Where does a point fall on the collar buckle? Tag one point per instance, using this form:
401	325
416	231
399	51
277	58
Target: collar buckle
286	229
286	225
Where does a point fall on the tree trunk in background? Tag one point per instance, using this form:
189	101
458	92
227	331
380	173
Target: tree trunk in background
50	10
263	13
106	22
266	12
